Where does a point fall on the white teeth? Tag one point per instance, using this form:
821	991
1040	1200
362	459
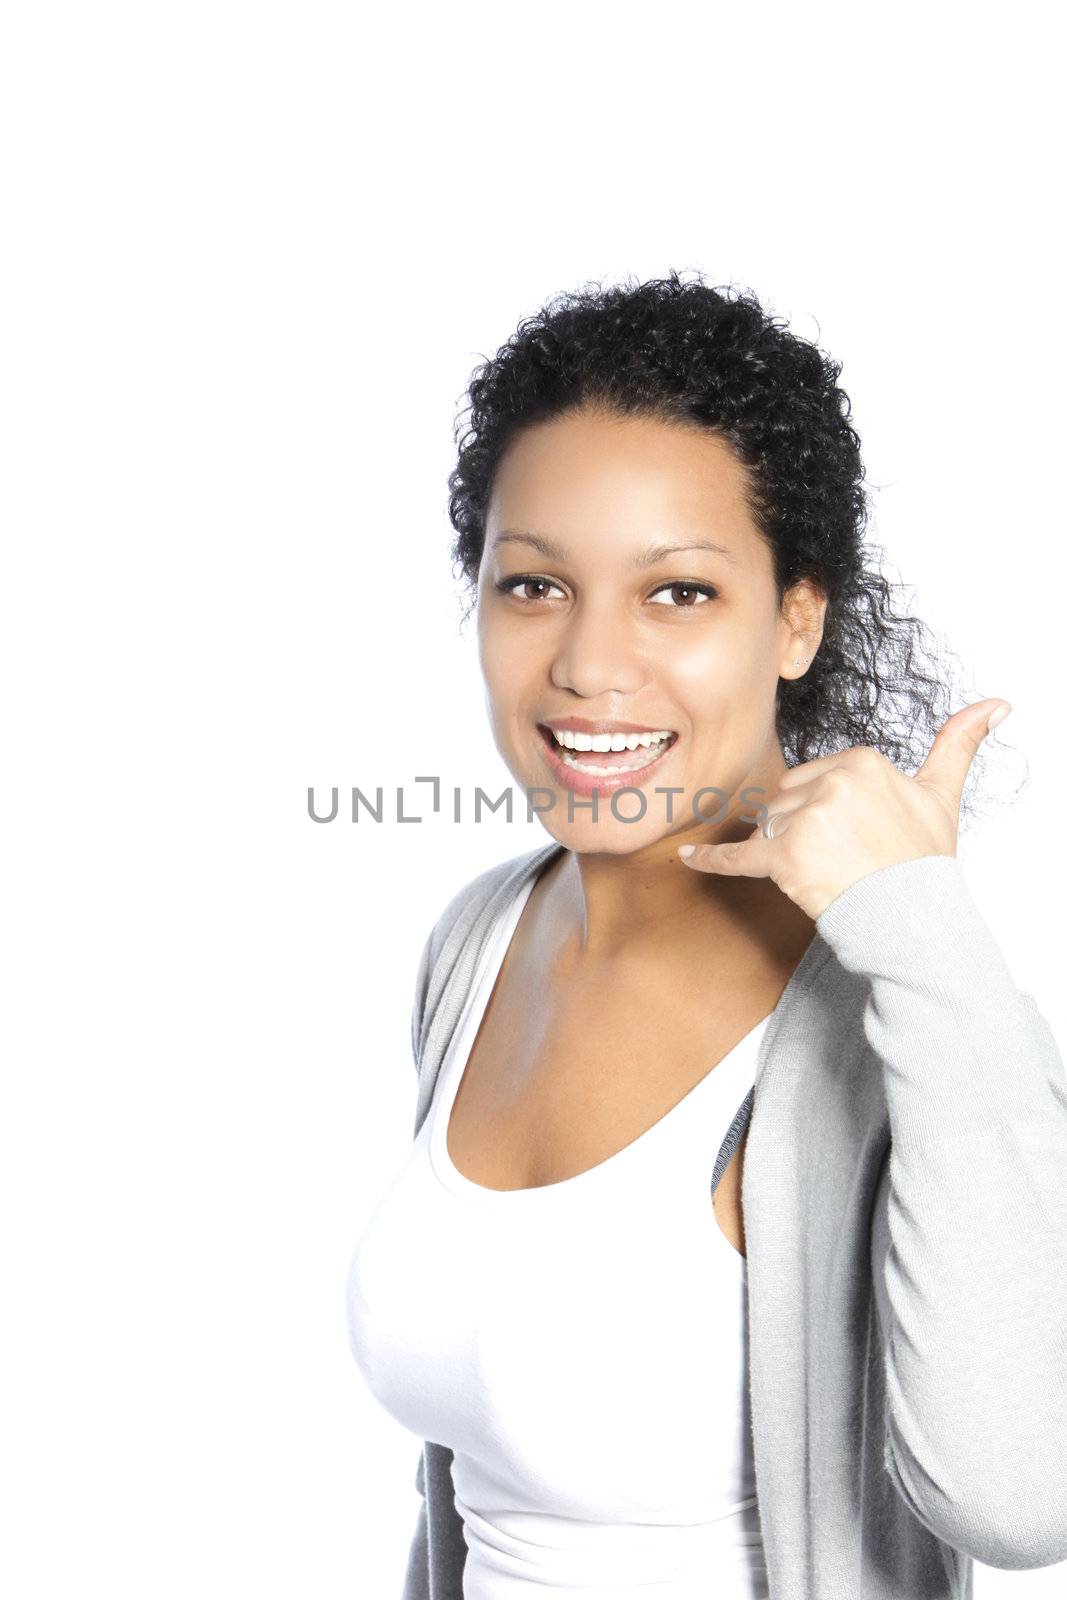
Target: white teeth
601	742
607	770
651	743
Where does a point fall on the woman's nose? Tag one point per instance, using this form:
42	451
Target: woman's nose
596	655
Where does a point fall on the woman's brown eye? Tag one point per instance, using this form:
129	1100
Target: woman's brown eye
692	594
518	585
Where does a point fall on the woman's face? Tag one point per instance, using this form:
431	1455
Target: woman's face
587	618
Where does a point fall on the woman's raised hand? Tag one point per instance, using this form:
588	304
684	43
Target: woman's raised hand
834	820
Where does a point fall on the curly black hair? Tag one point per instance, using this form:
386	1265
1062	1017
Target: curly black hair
683	351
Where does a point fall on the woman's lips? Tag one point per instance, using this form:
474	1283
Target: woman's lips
602	783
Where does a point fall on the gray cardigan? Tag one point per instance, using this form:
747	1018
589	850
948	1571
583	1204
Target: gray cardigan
905	1204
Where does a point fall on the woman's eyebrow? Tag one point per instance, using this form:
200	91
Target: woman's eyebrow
654	553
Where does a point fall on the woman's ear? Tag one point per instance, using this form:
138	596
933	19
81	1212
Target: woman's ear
802	621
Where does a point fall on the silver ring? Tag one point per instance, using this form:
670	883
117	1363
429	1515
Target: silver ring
767	825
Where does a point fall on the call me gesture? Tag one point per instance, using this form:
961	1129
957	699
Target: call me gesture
833	820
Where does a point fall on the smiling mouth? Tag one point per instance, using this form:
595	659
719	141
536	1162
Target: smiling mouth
606	755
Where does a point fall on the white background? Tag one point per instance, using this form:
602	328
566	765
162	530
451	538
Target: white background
252	256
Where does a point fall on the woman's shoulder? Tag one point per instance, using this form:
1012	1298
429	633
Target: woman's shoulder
461	928
489	890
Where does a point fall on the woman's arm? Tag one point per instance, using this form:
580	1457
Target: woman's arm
972	1280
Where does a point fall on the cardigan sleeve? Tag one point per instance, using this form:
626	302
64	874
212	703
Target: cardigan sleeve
972	1289
418	1007
417	1571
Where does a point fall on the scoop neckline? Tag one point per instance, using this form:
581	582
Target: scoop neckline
454	1063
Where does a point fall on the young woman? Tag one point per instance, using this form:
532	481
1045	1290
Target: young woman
730	1255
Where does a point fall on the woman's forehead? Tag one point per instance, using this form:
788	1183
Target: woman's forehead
621	486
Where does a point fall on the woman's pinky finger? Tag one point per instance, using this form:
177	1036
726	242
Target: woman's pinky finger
739	858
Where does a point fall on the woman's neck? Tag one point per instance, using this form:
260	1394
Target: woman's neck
613	904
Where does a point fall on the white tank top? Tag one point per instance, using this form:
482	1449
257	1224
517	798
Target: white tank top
580	1347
